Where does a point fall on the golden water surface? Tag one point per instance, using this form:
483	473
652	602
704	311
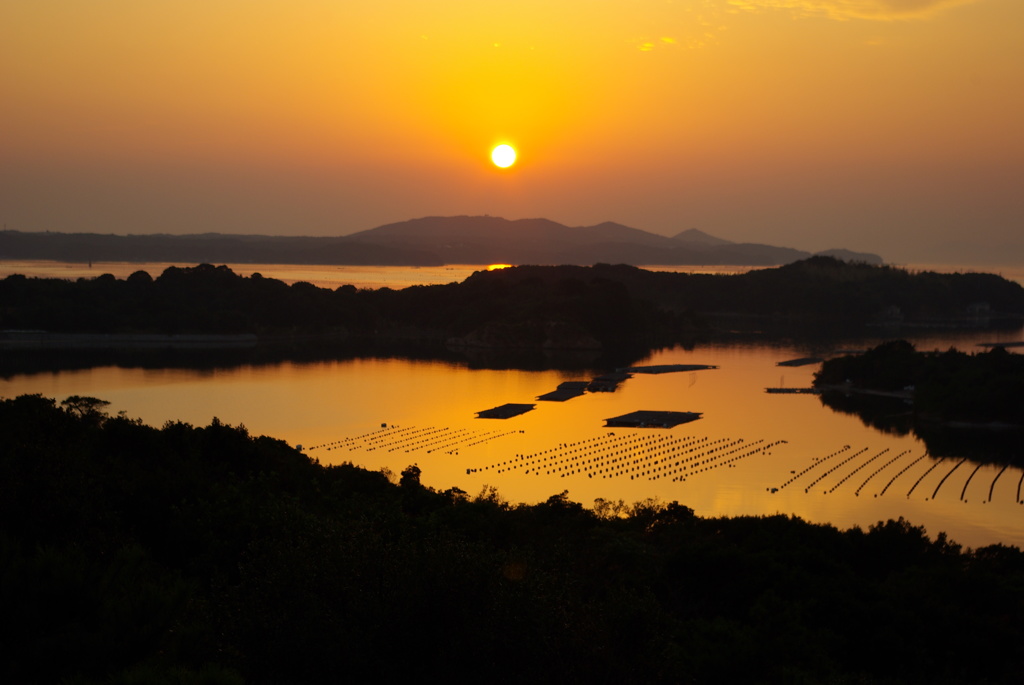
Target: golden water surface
751	452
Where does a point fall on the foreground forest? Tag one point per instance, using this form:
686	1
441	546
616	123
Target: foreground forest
134	554
615	309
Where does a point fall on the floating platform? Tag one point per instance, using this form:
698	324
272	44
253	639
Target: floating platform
651	419
802	361
607	382
565	391
668	368
505	411
792	391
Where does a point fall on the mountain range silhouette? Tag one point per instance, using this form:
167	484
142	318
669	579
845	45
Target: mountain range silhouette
427	241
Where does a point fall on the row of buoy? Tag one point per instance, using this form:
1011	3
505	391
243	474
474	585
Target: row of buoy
385	437
662	468
753	449
411	439
475	436
404	437
654	459
879	470
992	485
449	439
389	437
658	465
357	438
921	478
832	470
422	439
639	456
948	474
963	492
852	473
901	472
494	435
575	451
817	463
529	460
598	450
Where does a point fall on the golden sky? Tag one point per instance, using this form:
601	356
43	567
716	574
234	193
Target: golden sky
892	126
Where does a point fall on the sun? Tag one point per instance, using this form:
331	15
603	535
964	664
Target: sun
503	156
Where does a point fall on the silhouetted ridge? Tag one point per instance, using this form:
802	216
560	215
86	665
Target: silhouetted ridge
696	236
428	241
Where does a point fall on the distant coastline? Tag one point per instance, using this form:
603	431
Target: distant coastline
395	277
322	276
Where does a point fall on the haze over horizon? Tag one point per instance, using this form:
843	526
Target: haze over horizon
886	126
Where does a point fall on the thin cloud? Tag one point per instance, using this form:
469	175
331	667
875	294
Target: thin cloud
879	10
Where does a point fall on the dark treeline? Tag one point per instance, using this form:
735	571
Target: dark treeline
214	300
203	554
620	308
958	403
821	290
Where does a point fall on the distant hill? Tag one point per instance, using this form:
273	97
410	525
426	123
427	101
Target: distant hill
698	237
428	241
487	239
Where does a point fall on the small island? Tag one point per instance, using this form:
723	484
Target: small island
983	389
953	400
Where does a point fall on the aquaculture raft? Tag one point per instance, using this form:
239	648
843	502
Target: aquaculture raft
608	382
505	411
802	361
565	391
668	368
651	419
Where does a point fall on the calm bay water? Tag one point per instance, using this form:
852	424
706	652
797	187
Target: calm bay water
751	452
382	276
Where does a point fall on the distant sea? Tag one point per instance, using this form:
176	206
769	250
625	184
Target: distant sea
396	277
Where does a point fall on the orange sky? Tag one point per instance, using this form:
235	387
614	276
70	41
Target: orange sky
891	126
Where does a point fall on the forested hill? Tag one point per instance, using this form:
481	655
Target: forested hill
819	288
494	240
184	554
599	307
